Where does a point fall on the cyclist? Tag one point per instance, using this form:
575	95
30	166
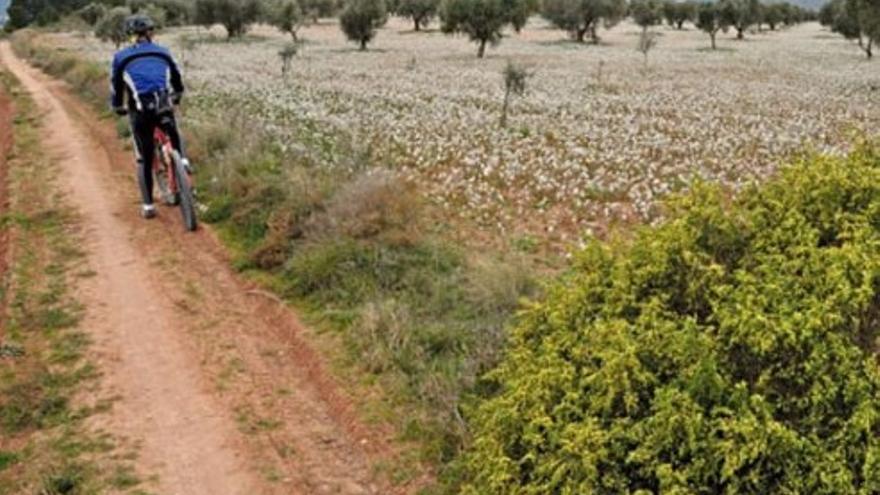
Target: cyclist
146	75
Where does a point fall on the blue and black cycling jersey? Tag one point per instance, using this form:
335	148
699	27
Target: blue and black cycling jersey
141	70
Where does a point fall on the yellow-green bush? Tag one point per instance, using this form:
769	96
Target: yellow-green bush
731	349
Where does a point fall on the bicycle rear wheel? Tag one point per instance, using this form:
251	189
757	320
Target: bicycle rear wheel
161	174
184	190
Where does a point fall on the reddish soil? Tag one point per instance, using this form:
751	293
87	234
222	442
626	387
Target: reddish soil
6	112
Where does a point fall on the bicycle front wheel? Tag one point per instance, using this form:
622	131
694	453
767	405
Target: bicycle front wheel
184	189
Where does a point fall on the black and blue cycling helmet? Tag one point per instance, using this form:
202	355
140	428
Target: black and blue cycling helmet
139	24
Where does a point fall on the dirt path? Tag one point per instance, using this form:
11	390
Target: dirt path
215	385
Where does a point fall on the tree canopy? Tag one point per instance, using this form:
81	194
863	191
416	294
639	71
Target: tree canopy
582	17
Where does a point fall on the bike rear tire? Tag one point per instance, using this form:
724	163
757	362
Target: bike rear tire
184	190
161	175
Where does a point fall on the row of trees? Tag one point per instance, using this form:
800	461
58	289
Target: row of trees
481	20
857	20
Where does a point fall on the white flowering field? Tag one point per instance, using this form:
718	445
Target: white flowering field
600	134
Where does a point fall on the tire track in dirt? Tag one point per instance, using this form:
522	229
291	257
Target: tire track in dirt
185	438
183	343
7	110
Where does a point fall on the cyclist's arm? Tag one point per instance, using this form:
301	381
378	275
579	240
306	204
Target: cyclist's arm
176	78
117	86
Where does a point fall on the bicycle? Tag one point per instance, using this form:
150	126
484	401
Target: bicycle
174	179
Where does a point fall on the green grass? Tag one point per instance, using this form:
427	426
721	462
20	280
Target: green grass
44	446
417	315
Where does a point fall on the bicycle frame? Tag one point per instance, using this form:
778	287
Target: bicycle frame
176	183
163	157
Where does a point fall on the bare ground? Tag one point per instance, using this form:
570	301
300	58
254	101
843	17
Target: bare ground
216	383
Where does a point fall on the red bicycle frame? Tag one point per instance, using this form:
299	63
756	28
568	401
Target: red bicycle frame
163	158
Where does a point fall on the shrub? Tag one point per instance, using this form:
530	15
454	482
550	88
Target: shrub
515	79
361	18
376	205
286	55
92	13
731	349
647	42
157	14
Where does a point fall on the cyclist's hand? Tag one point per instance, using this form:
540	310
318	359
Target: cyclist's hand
120	111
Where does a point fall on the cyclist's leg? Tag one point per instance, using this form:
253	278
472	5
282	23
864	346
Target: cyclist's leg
169	126
142	126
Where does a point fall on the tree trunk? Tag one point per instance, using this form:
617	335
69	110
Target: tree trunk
739	33
679	24
868	49
418	24
482	49
233	31
363	45
580	34
504	108
712	35
293	35
594	35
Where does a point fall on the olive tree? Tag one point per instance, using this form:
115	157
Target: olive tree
481	20
519	11
112	26
645	13
177	12
858	20
710	20
21	13
773	15
582	17
677	13
174	12
419	11
235	15
361	18
315	9
287	16
740	14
